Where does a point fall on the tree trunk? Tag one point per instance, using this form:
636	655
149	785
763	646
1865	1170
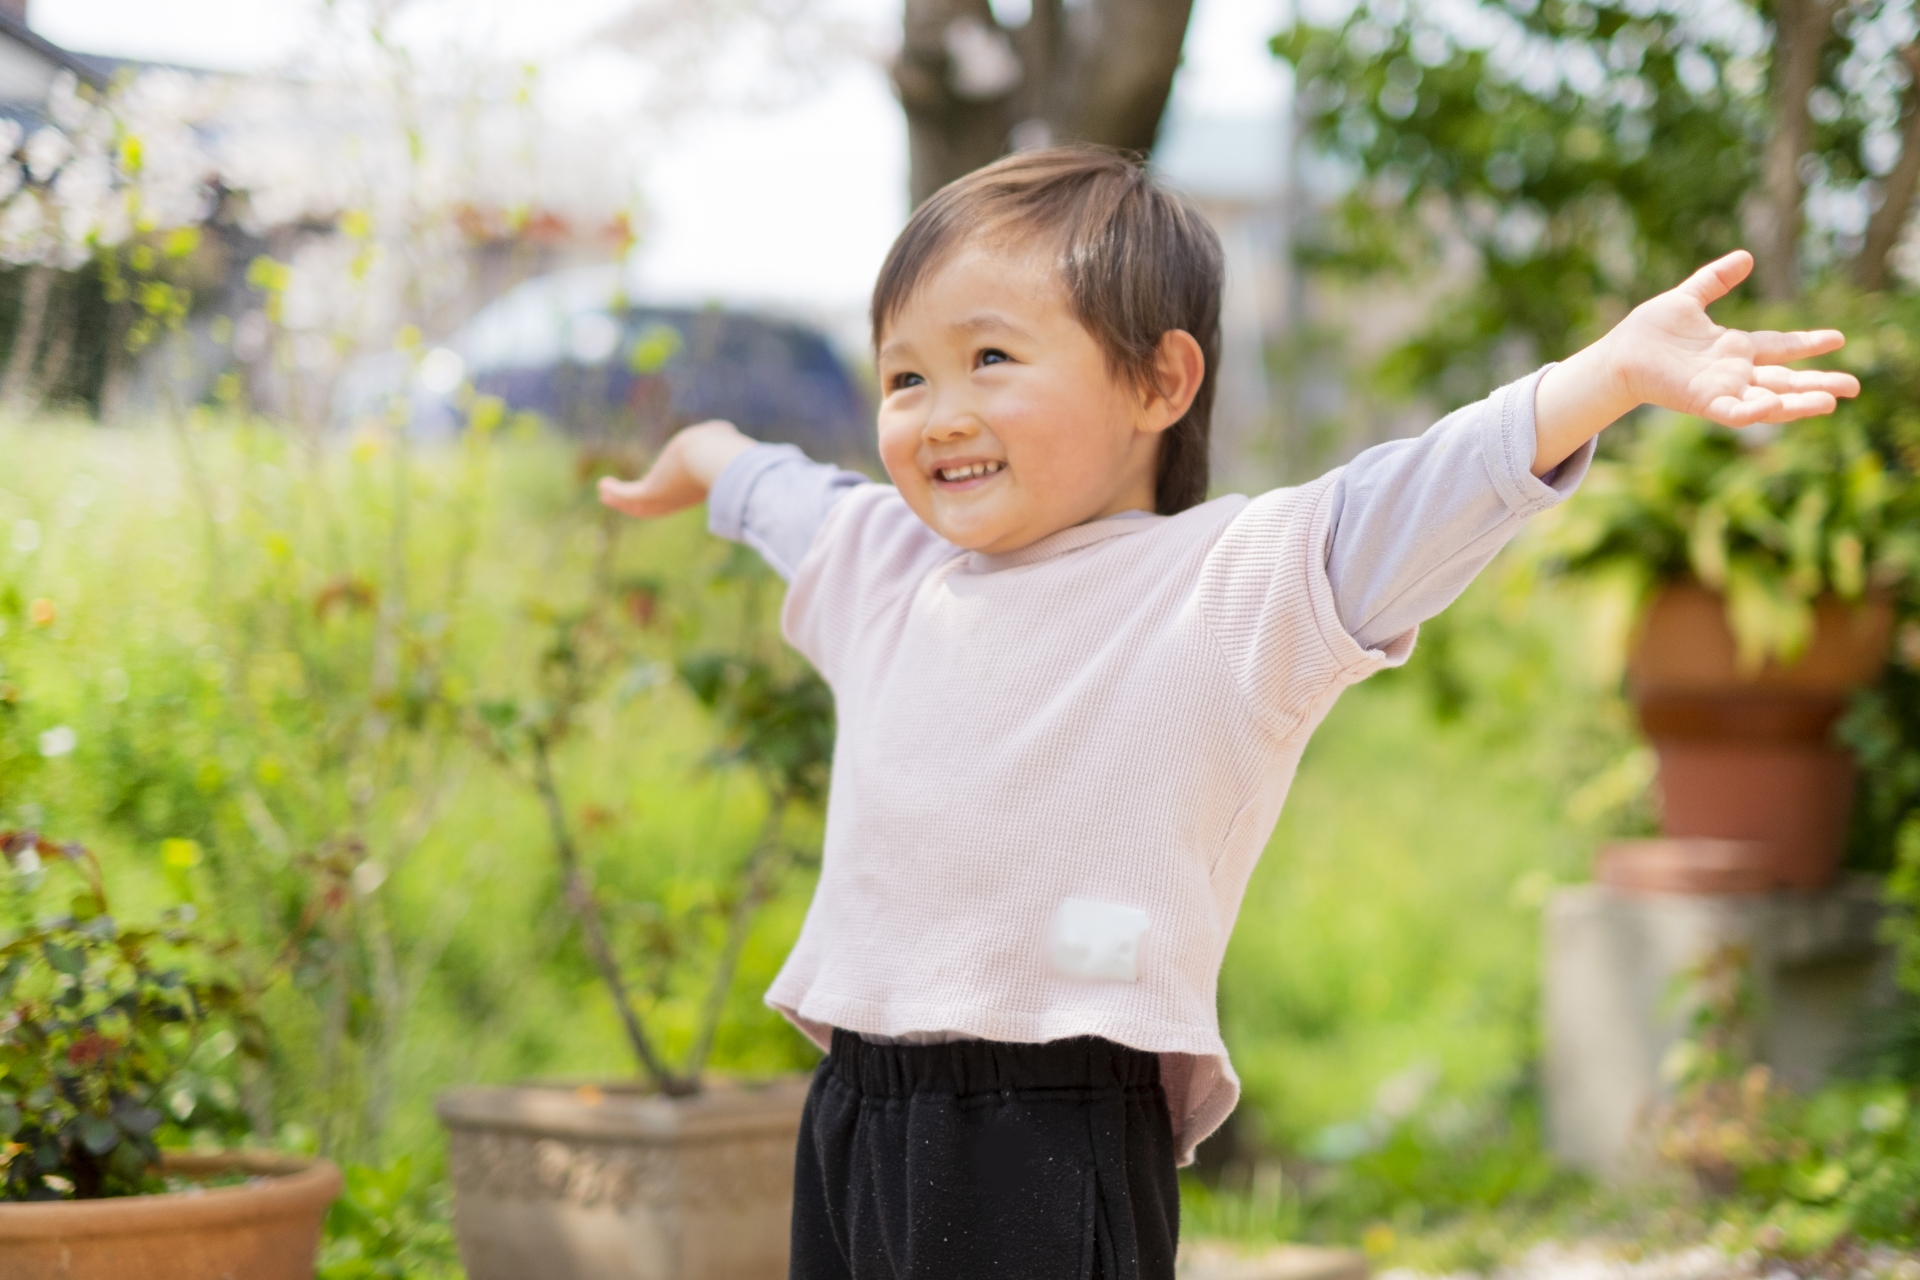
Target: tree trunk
16	385
1800	33
53	362
1120	71
953	127
1099	73
1890	219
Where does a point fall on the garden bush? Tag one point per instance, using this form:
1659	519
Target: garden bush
243	663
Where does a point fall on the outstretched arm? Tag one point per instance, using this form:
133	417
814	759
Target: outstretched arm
681	476
1416	520
1668	352
771	497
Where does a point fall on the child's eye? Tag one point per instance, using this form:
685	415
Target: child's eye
993	355
901	381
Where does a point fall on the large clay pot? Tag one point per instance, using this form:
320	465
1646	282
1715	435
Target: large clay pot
265	1229
1751	756
615	1184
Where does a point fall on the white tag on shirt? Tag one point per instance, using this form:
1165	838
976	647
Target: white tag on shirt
1099	940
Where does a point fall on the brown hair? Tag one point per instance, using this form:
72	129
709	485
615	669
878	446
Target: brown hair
1135	259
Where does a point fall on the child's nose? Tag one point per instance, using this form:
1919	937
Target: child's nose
952	422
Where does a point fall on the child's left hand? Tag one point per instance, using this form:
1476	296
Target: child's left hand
1669	352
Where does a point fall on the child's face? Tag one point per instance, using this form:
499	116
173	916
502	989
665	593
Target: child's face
1001	421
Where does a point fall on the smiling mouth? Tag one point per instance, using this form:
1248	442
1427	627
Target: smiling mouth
971	471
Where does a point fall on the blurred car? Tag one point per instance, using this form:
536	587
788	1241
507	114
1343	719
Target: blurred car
572	348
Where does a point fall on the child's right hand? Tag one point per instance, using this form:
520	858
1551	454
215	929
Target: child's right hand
1669	352
681	476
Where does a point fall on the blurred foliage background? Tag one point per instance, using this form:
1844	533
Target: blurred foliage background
236	742
249	655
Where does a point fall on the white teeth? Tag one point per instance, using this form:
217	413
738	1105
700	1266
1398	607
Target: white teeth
955	474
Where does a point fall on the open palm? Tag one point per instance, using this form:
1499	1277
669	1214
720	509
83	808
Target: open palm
1680	359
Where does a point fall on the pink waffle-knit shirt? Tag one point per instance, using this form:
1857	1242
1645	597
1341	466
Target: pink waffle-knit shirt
1111	715
1087	741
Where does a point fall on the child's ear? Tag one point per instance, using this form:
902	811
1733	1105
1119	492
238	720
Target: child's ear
1179	366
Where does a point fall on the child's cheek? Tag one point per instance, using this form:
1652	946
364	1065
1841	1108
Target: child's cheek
899	445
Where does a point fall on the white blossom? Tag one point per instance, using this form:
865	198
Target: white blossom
47	150
374	175
21	226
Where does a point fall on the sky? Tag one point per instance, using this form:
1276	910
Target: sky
794	206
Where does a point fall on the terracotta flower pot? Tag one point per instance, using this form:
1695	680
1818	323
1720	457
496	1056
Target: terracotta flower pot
1750	756
615	1184
1717	867
265	1229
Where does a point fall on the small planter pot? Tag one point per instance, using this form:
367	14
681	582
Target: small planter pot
1751	757
615	1184
1710	867
265	1229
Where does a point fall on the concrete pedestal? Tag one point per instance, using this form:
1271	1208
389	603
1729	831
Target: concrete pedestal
1614	1001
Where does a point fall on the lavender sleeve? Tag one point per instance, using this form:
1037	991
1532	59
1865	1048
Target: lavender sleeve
1415	520
774	499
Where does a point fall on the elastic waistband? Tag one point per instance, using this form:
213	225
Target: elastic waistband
988	1066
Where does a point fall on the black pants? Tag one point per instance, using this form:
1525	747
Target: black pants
980	1159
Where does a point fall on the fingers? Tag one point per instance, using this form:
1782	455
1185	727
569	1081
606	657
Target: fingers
1715	280
1733	411
1774	378
1765	406
1785	348
615	493
1803	404
629	497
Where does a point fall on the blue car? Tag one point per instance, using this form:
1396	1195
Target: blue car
573	349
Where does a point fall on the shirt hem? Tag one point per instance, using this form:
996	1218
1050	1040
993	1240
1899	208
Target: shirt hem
898	1018
1192	1120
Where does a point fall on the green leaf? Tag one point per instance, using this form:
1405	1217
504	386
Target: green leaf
67	960
1820	1183
129	1163
1803	541
1848	565
97	1134
1707	546
137	1121
1768	620
654	348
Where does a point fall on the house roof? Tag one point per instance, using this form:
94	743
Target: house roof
28	64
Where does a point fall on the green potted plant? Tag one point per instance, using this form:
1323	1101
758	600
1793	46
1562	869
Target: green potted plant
673	1173
107	1034
1771	565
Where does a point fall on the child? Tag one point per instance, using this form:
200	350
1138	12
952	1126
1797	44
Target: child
1072	694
